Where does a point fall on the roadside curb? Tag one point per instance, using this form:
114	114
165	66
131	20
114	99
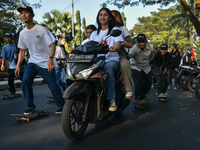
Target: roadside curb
4	83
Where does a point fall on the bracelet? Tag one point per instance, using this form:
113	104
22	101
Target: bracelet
51	57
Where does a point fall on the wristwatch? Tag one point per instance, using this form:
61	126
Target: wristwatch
51	57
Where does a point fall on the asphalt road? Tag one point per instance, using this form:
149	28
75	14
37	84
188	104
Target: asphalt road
172	125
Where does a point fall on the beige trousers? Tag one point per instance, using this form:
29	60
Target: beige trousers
126	71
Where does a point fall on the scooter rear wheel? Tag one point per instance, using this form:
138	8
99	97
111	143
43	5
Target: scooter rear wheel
73	124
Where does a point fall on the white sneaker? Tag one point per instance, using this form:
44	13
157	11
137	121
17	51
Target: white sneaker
128	95
113	106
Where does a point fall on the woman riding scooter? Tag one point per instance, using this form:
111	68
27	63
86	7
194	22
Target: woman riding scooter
106	22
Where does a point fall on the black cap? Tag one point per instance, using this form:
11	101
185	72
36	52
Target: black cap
174	44
163	47
91	26
8	34
27	8
141	37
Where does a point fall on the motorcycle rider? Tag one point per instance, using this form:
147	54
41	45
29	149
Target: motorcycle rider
141	54
176	58
124	64
106	21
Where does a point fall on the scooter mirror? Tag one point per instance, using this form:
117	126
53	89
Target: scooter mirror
68	38
115	32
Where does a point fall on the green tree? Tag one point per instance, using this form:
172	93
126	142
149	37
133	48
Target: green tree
83	34
78	28
9	17
156	27
181	21
123	18
188	9
57	22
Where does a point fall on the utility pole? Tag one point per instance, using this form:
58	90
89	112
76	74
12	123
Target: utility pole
73	23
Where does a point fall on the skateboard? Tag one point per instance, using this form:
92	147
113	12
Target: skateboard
37	113
8	96
51	99
141	105
162	98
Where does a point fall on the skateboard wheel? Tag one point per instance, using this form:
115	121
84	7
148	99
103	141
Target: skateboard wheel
47	113
18	119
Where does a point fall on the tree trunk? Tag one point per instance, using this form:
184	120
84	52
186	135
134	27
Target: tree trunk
191	15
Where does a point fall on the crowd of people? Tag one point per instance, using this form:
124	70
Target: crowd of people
146	65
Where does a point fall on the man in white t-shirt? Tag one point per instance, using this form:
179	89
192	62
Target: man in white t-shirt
89	29
40	44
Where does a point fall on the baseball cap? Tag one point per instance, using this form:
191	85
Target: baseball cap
141	37
174	44
8	34
163	47
27	8
91	26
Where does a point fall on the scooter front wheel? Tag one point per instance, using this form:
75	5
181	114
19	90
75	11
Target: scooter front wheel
73	123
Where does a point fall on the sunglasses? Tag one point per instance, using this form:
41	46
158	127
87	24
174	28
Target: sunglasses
141	41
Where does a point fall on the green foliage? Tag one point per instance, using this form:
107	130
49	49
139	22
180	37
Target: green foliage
9	18
78	29
156	28
83	34
123	18
57	22
124	3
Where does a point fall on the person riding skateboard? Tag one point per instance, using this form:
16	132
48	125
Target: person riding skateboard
141	54
40	43
163	61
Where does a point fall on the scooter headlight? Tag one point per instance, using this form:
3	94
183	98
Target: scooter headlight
69	74
84	74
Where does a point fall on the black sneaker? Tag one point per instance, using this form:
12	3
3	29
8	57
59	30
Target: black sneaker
59	111
28	111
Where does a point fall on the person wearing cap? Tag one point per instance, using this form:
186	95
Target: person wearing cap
163	62
176	58
10	51
40	43
141	54
89	29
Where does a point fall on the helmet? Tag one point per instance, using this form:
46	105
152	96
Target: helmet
188	52
68	37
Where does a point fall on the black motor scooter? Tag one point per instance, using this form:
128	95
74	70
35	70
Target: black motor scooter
86	94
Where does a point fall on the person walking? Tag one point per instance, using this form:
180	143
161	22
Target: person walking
176	58
40	44
141	54
10	51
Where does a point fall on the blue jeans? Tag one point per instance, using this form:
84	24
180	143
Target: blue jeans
58	78
49	77
111	67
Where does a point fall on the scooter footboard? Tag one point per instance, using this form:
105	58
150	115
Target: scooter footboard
77	88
